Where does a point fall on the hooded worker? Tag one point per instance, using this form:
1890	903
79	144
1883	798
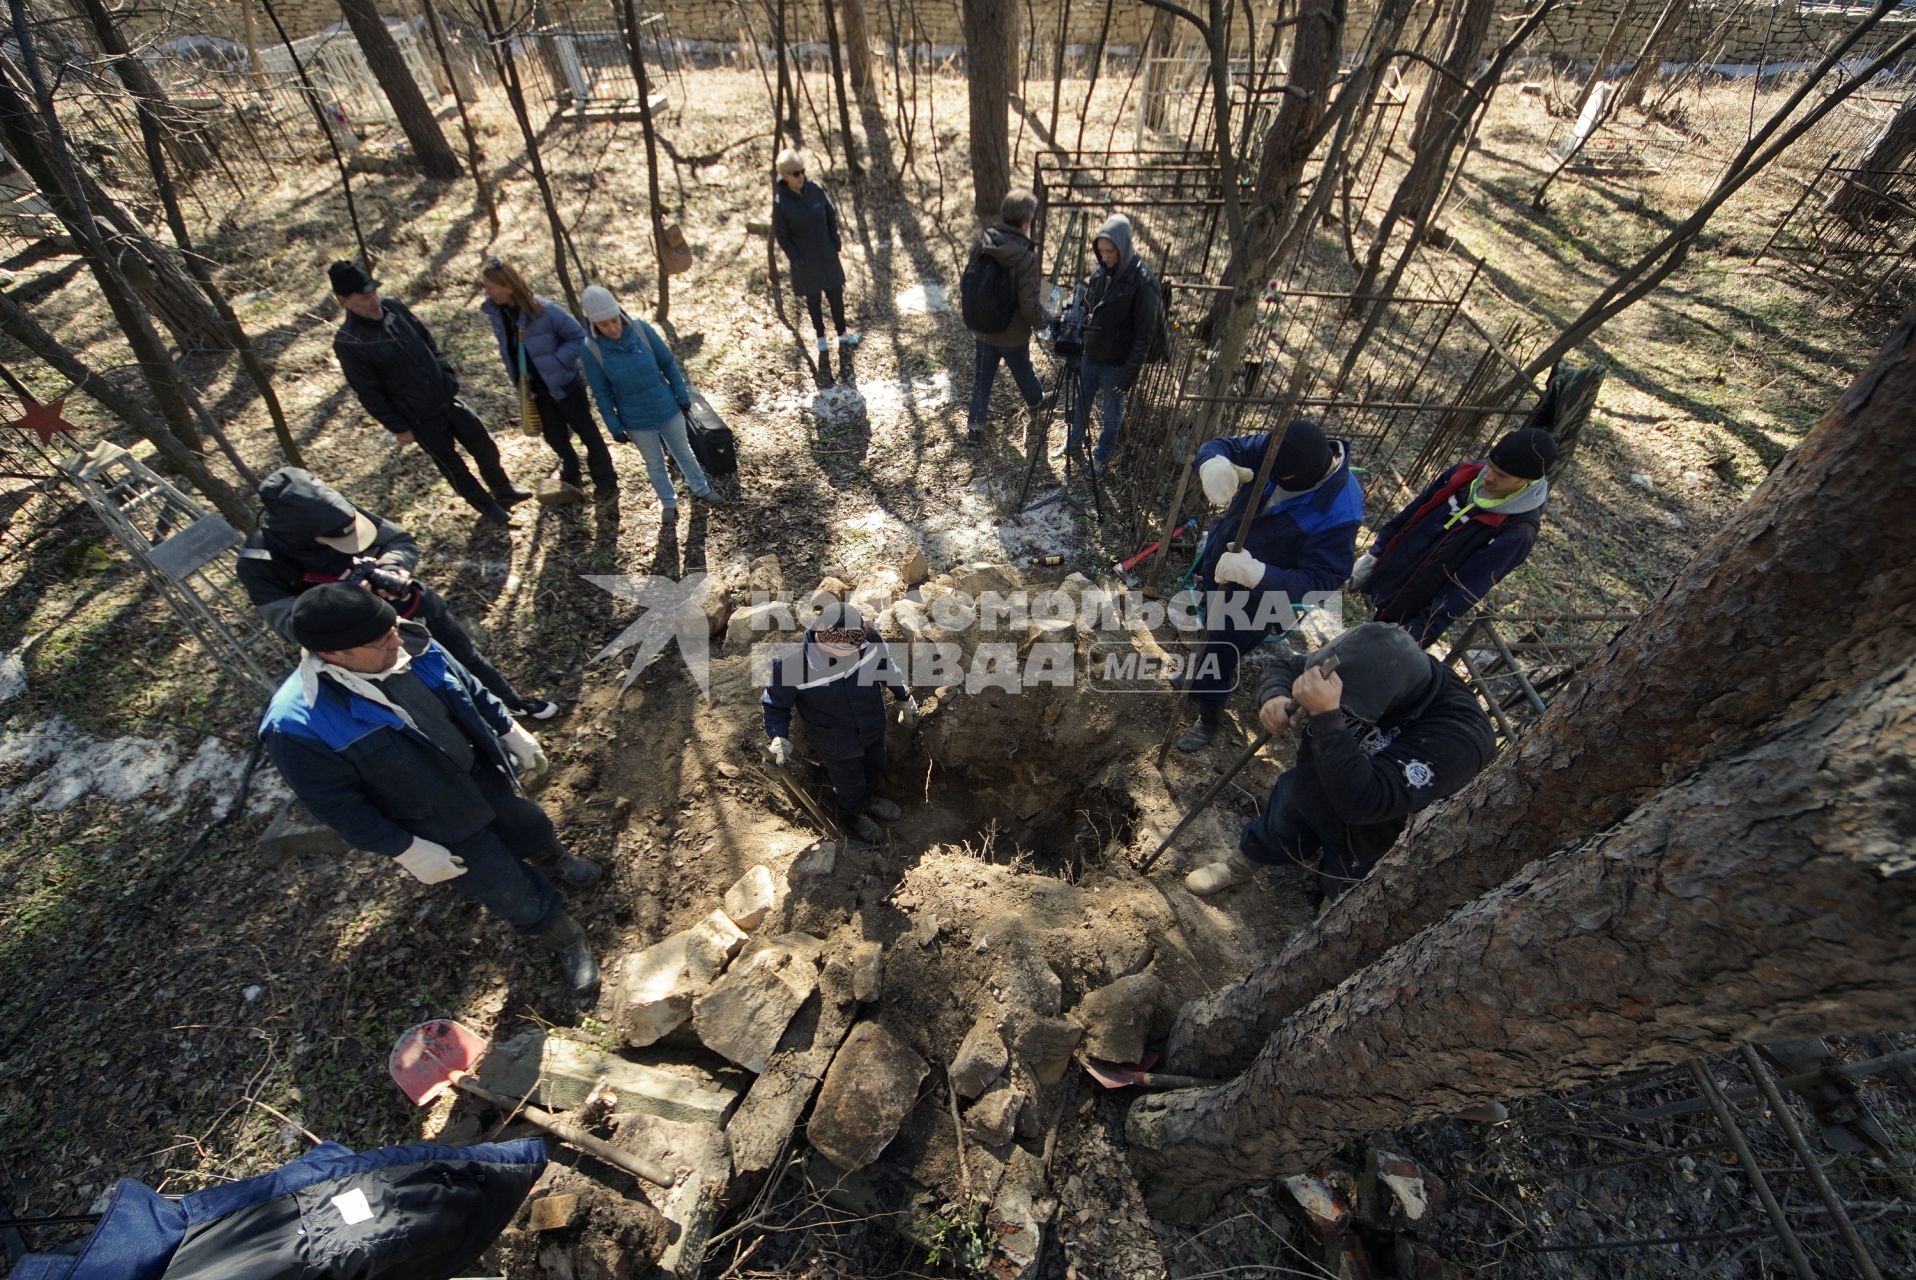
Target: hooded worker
835	679
310	533
1389	732
1122	298
397	748
1300	542
1457	539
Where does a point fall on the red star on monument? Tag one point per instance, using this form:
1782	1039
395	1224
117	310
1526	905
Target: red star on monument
43	420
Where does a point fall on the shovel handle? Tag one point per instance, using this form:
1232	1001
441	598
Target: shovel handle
571	1134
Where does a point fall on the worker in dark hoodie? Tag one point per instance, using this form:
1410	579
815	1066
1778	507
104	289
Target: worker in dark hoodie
1121	301
1301	541
309	533
1389	732
1006	247
1470	526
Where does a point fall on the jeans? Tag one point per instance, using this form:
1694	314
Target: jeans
559	421
498	877
852	777
429	607
837	299
1227	643
985	372
442	441
652	447
1097	382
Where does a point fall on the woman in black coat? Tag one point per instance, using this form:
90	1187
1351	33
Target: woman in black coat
806	226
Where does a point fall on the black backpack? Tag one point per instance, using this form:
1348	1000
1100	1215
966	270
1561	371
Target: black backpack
1160	348
986	299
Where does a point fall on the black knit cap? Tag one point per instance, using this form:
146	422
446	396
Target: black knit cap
1525	453
338	615
1303	456
840	623
348	278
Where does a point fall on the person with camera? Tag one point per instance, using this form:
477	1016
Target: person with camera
309	533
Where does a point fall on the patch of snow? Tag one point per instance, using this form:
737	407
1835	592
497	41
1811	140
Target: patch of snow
923	298
1642	480
13	676
848	403
975	530
62	765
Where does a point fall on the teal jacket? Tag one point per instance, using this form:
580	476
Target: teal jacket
634	379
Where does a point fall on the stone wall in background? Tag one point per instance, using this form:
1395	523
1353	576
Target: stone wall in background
1779	32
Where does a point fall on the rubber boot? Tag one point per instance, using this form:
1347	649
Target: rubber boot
566	940
883	810
1199	735
863	828
1219	876
572	869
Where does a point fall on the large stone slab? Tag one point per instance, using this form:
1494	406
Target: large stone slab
751	898
870	1089
1044	1045
779	1096
657	986
1119	1018
557	1074
744	1013
980	1058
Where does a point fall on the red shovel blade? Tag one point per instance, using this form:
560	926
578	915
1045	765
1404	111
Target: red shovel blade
1116	1075
425	1057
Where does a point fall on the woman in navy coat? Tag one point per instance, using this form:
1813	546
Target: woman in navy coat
806	227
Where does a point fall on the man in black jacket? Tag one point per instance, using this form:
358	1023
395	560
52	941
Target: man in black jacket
1390	732
1122	300
394	745
393	365
308	533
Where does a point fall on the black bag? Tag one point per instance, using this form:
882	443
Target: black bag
711	440
1160	349
986	300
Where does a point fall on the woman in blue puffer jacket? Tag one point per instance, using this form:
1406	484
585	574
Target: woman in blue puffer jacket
539	340
641	393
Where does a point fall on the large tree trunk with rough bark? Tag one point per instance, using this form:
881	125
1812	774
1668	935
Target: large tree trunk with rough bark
1767	618
1661	37
1861	196
429	146
988	43
1769	894
858	50
1442	93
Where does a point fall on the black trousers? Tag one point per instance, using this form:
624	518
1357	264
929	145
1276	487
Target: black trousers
429	607
560	420
498	877
836	297
852	777
442	440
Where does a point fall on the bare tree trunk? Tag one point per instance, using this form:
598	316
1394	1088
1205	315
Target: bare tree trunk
498	41
1767	615
858	50
785	102
17	323
838	84
988	42
311	94
152	127
475	155
181	130
253	63
1158	43
1444	99
1768	895
1668	24
33	136
629	18
429	145
1604	57
1861	196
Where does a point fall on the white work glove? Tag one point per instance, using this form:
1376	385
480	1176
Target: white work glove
908	714
1360	572
1220	478
1241	568
430	863
780	749
526	753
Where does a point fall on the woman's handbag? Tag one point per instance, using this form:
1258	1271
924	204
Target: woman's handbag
530	424
675	254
